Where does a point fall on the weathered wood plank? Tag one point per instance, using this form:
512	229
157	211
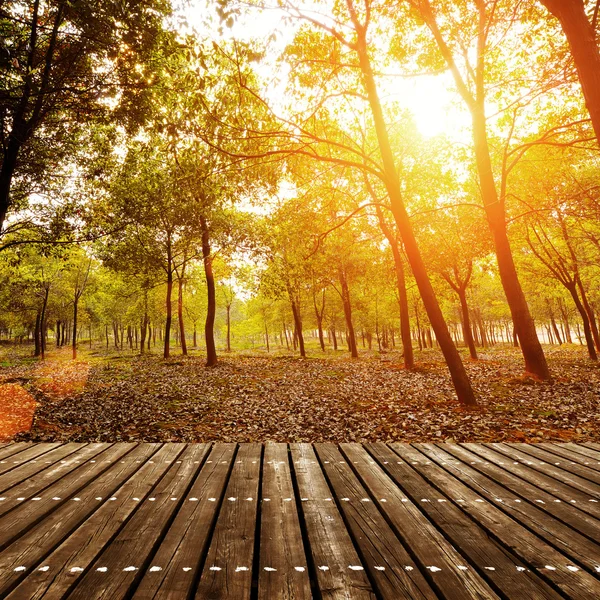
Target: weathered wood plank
559	490
520	489
382	553
436	556
572	467
14	523
532	459
501	567
19	467
228	568
281	544
74	534
562	452
130	552
566	544
340	573
592	455
35	480
181	553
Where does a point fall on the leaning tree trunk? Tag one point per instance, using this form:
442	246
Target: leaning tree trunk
535	361
582	40
587	330
211	312
36	334
459	376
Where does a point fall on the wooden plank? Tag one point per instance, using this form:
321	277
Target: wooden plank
15	447
561	491
33	458
129	554
382	553
562	452
181	553
501	567
339	571
75	533
583	451
520	489
281	544
228	568
576	547
432	551
567	477
34	480
27	514
572	467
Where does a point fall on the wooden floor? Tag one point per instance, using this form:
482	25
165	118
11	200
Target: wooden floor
97	521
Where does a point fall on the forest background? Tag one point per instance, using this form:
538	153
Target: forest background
406	192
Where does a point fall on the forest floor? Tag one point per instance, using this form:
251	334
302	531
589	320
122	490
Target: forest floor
108	396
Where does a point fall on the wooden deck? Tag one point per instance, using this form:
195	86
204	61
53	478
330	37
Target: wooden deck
423	521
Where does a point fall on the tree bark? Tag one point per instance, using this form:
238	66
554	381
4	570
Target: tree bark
466	322
75	310
582	40
228	327
180	313
298	325
169	317
587	331
346	303
211	312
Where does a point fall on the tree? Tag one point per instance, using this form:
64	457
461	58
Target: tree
55	57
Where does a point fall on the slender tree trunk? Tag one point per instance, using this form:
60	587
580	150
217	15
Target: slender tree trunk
180	314
587	330
228	327
409	358
209	326
346	303
267	337
590	313
169	307
298	326
553	322
466	322
334	339
75	309
36	334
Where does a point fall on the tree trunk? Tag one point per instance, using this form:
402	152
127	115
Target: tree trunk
459	376
334	339
75	309
36	334
587	331
180	313
169	307
466	322
348	313
590	313
553	322
211	312
229	328
298	326
409	358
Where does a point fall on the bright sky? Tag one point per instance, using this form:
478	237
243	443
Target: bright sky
431	99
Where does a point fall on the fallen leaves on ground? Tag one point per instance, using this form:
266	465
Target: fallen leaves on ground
262	398
16	410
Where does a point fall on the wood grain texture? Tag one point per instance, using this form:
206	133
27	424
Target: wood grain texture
254	522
